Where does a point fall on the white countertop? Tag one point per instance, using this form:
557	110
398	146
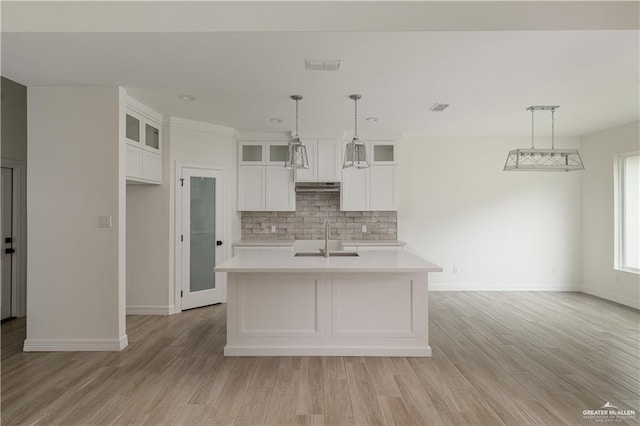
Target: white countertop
369	261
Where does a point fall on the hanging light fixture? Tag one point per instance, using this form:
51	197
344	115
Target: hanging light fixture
549	160
297	152
355	154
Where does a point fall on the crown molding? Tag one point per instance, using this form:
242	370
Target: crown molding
203	127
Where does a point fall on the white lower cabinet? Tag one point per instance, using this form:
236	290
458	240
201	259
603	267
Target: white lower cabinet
369	247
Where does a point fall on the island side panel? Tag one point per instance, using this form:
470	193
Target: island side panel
350	314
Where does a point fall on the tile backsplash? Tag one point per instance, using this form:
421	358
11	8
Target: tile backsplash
307	222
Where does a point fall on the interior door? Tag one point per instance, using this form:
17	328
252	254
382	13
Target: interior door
202	231
7	238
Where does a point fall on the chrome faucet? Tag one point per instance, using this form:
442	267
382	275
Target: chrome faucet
325	252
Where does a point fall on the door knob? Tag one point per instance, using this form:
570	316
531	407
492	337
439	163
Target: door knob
9	250
218	243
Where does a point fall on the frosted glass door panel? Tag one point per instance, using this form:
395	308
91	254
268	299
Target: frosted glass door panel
203	233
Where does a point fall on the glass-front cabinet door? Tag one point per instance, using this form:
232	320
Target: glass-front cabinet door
382	153
133	130
251	153
152	136
277	153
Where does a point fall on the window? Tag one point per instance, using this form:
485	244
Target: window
627	211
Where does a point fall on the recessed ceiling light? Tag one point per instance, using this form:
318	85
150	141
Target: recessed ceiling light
372	119
276	120
187	97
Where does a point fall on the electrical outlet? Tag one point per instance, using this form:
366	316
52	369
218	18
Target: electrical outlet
104	221
364	228
273	229
455	270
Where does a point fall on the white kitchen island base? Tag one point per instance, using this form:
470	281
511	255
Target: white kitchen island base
327	314
331	309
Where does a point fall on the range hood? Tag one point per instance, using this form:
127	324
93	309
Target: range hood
317	186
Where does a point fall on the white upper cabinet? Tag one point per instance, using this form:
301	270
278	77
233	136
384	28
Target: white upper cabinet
143	137
263	182
373	188
325	161
279	189
354	190
251	188
383	188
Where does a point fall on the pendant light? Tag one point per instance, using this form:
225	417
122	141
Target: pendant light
546	160
297	152
355	154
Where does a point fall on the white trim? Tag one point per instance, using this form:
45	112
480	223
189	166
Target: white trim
73	345
19	259
150	309
503	287
409	351
141	108
203	127
264	137
619	222
612	297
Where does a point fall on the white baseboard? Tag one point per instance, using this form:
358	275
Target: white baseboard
150	310
613	297
75	345
409	351
503	287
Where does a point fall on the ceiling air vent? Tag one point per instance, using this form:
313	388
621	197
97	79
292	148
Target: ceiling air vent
438	107
318	65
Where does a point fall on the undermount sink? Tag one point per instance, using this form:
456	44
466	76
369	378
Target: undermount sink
331	254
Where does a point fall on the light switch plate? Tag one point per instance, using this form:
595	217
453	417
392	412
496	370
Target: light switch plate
364	228
104	221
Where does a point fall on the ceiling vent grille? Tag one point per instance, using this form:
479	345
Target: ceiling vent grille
318	65
439	107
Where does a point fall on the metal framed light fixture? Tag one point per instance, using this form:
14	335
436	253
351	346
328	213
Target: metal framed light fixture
545	160
355	154
297	152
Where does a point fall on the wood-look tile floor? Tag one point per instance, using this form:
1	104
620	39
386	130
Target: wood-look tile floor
498	358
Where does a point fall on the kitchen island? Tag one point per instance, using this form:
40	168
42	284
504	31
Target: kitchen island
369	304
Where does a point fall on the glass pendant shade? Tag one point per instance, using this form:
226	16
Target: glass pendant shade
297	156
355	155
297	152
543	160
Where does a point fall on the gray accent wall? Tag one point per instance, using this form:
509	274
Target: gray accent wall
307	222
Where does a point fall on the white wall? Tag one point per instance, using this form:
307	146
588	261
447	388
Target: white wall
501	230
76	276
207	145
149	283
600	278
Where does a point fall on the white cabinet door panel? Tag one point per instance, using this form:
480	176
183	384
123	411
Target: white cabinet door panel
251	188
354	194
280	191
134	162
383	188
151	166
329	164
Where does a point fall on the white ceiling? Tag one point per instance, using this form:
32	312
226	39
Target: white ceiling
242	79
